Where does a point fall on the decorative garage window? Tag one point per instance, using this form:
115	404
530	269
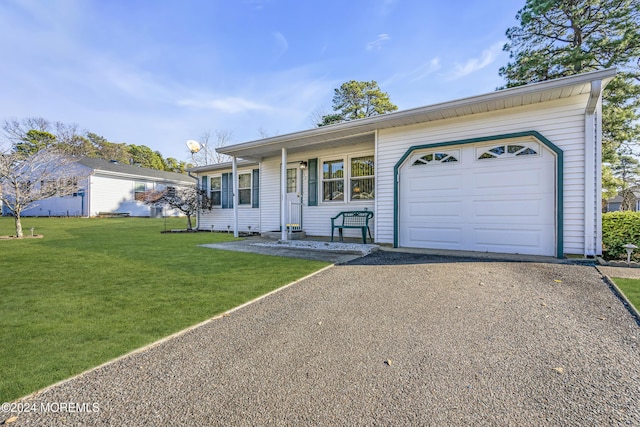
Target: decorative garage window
436	158
508	150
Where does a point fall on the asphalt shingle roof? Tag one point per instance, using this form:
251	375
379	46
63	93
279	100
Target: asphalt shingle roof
111	166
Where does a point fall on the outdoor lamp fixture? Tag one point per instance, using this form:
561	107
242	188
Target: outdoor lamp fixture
629	248
303	165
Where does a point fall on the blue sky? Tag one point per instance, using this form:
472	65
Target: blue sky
158	73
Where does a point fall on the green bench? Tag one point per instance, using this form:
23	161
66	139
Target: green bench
352	219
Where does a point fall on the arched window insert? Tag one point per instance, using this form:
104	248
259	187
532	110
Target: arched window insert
435	158
508	150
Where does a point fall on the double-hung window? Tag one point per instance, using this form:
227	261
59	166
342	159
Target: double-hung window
215	194
362	178
139	190
356	183
221	189
244	189
333	180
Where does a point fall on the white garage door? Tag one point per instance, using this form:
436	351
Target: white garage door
488	198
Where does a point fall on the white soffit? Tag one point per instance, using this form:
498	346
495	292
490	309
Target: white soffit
363	130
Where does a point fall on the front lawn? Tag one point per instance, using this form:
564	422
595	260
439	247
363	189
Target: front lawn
631	289
94	289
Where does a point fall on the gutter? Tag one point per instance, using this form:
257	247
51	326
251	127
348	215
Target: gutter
370	124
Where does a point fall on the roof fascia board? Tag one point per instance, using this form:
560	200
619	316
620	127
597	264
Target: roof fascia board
221	166
370	124
97	172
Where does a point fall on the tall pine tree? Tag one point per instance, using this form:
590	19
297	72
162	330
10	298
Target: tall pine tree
558	38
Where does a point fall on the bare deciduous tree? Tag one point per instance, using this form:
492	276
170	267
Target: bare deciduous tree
27	179
42	133
317	115
266	134
209	155
185	199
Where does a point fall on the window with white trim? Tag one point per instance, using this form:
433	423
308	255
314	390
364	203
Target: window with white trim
215	190
333	180
139	189
362	178
356	183
244	189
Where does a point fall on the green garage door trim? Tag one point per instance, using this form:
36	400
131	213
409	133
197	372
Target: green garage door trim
551	146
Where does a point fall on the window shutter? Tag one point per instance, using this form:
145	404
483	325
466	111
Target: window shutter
230	190
204	183
227	191
312	166
255	189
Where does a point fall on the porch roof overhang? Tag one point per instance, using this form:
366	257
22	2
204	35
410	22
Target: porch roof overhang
363	130
222	166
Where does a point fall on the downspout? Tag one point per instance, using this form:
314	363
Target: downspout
197	210
593	172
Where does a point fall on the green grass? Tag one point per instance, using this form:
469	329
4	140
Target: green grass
94	289
631	289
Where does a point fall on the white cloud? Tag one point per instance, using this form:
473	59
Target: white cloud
472	65
230	104
378	42
281	43
425	69
418	73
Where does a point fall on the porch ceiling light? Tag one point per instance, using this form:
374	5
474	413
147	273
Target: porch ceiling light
303	165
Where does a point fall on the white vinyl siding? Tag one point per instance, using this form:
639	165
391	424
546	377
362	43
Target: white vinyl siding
106	192
60	206
222	219
114	194
562	122
316	219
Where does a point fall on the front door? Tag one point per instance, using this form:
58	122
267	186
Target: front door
294	197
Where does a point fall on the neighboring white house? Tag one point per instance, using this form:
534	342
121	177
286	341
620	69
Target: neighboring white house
513	171
111	187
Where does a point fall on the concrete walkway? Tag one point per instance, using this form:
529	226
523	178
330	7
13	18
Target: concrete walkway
388	339
623	272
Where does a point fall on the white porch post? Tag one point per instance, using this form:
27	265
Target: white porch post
234	174
283	196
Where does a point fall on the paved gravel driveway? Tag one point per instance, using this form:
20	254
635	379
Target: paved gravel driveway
390	339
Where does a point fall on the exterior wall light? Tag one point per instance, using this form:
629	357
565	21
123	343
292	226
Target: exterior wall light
303	165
